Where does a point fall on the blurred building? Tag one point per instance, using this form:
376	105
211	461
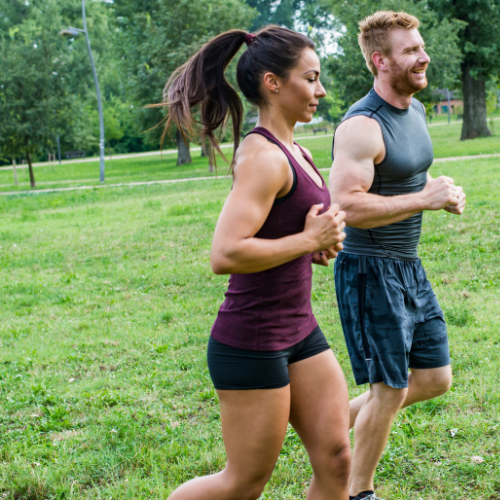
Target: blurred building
456	103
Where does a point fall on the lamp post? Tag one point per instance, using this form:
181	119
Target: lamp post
74	32
449	105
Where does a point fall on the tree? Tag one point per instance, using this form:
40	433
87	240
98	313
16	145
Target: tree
207	150
34	100
313	17
348	69
158	36
479	43
46	86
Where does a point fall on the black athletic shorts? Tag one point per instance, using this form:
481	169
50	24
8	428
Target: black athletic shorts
391	318
232	368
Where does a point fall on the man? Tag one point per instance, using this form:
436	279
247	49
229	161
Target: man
391	319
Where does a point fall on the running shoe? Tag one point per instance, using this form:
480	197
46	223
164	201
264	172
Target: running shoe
371	496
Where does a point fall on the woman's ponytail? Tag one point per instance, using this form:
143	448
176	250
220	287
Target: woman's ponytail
202	81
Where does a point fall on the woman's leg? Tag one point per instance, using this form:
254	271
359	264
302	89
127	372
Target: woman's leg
320	415
254	424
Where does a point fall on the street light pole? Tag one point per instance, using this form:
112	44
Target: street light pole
75	32
59	149
449	105
99	103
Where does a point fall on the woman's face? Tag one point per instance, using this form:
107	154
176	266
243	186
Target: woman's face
298	96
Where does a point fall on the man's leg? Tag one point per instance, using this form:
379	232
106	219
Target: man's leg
423	385
427	384
371	431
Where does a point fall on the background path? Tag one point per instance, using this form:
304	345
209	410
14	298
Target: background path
171	181
170	151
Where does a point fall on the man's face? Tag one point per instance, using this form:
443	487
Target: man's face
408	61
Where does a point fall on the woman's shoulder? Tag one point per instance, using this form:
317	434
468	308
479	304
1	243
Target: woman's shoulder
257	153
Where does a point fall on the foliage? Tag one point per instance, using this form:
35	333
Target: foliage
155	37
47	85
312	17
480	46
34	99
336	108
478	41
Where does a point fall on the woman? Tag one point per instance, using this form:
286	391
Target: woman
267	357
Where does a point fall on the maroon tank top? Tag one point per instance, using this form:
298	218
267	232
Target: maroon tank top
271	310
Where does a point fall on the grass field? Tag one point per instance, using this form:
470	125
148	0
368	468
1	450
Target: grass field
445	138
107	299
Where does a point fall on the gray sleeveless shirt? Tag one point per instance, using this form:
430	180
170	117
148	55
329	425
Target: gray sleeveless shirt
408	156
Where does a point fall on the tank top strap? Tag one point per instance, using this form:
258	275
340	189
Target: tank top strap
305	154
263	131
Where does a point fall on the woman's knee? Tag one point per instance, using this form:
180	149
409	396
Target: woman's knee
246	491
239	488
334	461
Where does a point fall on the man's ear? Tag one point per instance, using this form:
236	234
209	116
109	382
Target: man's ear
380	61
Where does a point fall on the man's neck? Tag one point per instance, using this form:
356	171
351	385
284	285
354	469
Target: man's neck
388	94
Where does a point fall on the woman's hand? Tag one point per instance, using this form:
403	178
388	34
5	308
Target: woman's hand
326	230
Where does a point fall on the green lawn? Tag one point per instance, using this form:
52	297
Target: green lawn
107	299
149	168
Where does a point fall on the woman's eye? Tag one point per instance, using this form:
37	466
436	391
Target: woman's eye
312	80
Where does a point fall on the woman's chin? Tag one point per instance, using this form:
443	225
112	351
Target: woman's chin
306	118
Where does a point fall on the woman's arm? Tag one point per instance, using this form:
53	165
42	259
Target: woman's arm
258	178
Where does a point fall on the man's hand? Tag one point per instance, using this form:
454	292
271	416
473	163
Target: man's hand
460	206
442	193
322	257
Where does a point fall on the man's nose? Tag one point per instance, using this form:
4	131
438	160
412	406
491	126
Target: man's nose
424	57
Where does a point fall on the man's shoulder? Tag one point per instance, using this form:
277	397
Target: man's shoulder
366	106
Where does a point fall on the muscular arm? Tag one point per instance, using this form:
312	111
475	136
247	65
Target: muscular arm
258	178
352	175
359	145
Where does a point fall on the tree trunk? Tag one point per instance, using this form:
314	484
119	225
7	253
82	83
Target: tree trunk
474	124
30	168
210	154
14	169
183	154
207	150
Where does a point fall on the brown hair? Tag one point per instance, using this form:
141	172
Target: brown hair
201	81
374	33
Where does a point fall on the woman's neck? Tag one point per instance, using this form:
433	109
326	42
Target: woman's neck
277	124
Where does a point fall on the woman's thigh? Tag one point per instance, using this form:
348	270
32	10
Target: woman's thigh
319	408
254	424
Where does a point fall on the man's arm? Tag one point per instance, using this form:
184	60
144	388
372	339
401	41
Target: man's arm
359	144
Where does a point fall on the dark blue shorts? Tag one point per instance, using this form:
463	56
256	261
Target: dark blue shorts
391	318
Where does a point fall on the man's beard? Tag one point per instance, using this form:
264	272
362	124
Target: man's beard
402	81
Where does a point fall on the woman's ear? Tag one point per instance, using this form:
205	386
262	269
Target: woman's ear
271	83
